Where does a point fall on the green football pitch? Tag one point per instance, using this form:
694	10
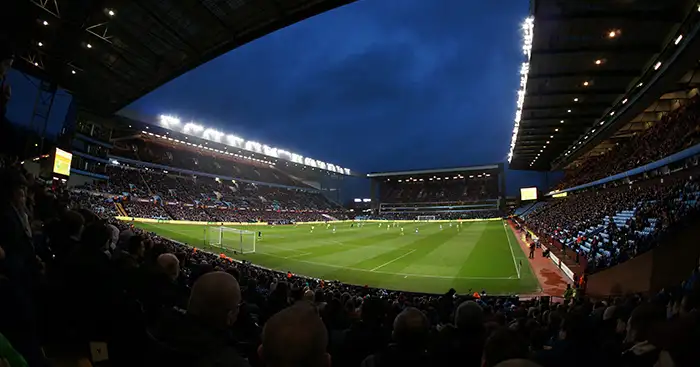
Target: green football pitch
479	255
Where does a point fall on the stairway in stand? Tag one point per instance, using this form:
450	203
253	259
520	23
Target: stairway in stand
120	209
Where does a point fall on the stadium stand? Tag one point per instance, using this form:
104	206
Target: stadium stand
157	195
147	298
202	161
527	209
607	227
457	193
675	132
447	190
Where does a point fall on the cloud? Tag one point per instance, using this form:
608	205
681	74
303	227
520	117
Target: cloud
371	86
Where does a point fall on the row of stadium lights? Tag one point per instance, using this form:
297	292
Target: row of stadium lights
611	34
200	146
191	128
598	62
458	177
657	65
109	12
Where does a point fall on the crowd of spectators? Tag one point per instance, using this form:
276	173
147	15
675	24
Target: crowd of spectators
460	188
590	222
470	214
139	209
202	160
172	196
71	279
675	131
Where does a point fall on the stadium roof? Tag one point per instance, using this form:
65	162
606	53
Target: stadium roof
108	53
588	65
130	125
489	167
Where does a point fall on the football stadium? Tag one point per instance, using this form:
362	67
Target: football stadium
134	237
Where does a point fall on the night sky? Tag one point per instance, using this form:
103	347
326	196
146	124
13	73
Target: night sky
371	86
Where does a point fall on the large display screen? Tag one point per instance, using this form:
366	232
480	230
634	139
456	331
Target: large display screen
61	162
528	193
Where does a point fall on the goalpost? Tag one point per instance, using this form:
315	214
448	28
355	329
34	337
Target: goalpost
238	240
425	218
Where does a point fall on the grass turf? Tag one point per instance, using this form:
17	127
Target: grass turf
478	255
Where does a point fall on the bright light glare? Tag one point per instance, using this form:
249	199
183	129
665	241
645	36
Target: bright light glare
191	128
528	28
678	39
168	121
657	65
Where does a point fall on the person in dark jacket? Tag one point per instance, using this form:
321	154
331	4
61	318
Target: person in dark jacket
410	335
640	328
201	336
295	336
89	278
463	341
20	269
363	338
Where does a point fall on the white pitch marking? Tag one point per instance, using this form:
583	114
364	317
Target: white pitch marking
298	255
510	246
286	249
391	261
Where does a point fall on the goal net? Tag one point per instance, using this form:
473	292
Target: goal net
426	218
238	240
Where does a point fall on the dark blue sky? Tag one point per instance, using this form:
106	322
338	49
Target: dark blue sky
375	85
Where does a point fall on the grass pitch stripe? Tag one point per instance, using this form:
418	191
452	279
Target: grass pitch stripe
510	246
350	268
391	261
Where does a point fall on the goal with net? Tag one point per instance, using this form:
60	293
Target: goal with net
425	218
238	240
